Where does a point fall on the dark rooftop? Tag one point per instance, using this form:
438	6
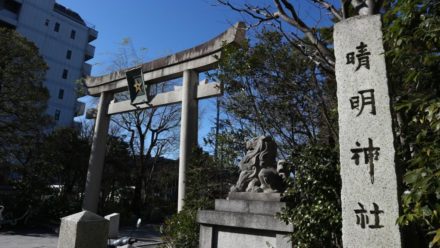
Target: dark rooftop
68	13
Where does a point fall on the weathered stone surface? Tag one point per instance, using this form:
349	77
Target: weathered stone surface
163	74
113	230
243	220
227	238
97	154
252	196
166	98
369	186
256	207
206	236
83	230
188	130
283	241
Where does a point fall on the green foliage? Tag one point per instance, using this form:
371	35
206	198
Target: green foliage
162	194
23	101
181	230
205	181
23	98
64	161
116	177
314	198
51	186
228	142
421	200
413	38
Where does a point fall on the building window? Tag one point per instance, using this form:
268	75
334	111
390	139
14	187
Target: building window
61	94
69	54
72	34
57	27
46	22
65	73
57	114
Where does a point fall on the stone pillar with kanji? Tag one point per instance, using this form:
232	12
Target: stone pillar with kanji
369	194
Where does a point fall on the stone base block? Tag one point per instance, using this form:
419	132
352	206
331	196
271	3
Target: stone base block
83	230
113	230
244	223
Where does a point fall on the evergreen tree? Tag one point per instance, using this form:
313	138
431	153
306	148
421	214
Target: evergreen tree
23	100
412	35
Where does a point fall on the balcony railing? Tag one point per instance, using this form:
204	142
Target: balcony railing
90	52
86	69
8	14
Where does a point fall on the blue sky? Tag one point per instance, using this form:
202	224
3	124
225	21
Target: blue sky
161	27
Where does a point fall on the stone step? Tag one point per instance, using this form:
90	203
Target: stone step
242	220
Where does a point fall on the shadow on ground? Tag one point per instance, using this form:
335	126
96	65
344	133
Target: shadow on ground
148	236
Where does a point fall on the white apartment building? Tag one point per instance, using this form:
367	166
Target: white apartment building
63	38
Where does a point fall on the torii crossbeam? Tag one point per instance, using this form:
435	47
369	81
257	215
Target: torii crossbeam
187	64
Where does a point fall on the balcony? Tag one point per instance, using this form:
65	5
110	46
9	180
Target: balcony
93	34
90	52
86	69
8	17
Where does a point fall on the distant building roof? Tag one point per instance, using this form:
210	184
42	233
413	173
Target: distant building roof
69	13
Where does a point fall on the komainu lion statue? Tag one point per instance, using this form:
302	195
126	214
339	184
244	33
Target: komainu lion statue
259	171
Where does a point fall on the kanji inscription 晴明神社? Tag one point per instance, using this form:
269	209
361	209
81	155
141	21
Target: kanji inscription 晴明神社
369	186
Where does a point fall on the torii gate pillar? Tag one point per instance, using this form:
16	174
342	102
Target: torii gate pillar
188	129
97	154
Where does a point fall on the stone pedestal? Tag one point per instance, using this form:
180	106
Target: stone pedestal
113	230
244	220
83	230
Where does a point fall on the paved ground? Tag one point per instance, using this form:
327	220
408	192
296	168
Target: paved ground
147	235
27	239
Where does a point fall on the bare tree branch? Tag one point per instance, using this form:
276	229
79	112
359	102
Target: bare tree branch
330	8
324	58
309	33
256	13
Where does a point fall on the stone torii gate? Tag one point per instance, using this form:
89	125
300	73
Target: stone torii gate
187	64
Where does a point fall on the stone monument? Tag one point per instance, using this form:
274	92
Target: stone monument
369	186
258	168
247	217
